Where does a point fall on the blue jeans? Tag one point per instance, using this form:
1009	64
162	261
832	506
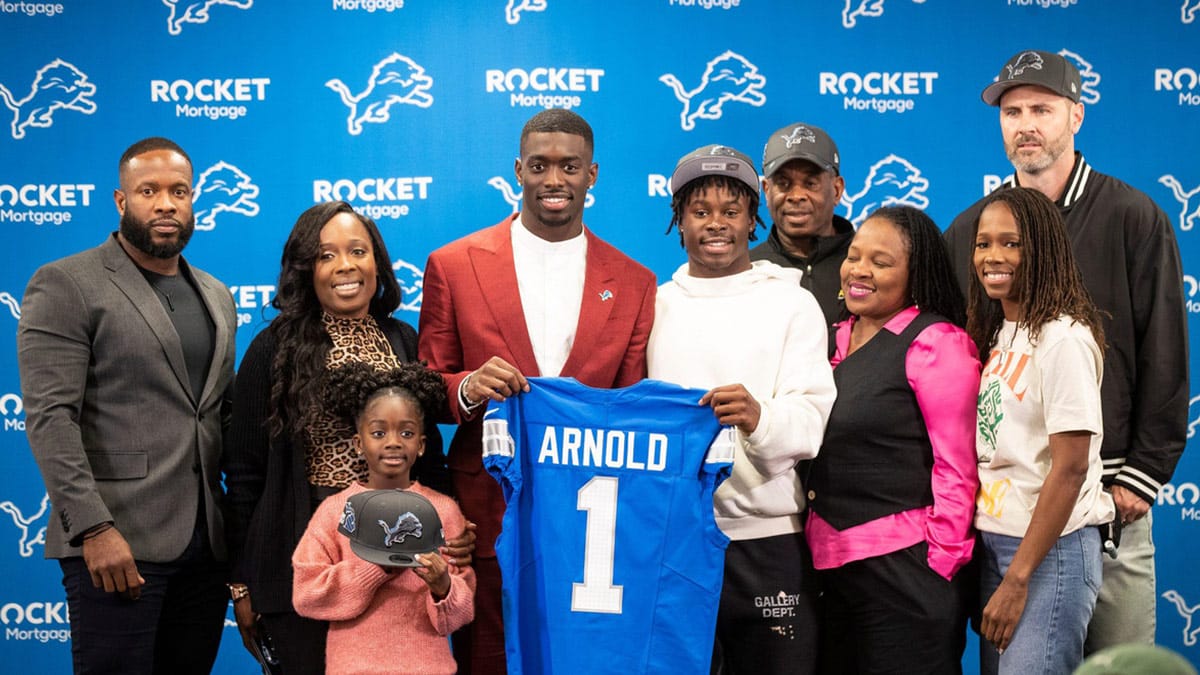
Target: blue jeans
1062	594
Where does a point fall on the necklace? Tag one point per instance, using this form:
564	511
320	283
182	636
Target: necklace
166	296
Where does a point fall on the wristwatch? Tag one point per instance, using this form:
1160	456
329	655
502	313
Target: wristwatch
238	591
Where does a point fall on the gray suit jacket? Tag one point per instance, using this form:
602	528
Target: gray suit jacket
109	411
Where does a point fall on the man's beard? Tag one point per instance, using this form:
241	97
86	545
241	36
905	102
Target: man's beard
1051	150
138	234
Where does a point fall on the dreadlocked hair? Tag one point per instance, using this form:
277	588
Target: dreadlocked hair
1047	282
350	388
931	284
735	187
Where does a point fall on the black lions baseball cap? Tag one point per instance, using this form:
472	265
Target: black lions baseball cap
800	141
390	527
1043	69
720	160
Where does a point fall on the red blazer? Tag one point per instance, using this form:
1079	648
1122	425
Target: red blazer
471	311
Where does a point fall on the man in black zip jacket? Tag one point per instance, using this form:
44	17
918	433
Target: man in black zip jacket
803	184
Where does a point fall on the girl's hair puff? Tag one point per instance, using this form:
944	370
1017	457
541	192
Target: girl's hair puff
351	387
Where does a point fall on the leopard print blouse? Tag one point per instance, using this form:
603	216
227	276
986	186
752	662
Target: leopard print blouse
331	460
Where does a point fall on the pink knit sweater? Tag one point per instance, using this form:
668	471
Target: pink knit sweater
380	622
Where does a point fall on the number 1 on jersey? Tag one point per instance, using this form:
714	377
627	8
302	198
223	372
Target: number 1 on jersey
597	593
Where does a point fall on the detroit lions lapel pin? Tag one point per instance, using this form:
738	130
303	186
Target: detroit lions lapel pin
605	295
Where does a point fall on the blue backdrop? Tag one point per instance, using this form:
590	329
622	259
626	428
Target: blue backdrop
411	110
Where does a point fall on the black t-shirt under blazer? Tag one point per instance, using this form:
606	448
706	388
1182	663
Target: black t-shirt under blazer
876	459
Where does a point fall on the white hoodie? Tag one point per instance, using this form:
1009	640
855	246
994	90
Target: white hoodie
760	329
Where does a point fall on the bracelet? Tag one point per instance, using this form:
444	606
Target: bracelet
97	531
238	591
463	389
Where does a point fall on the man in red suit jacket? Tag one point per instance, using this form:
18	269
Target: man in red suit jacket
536	294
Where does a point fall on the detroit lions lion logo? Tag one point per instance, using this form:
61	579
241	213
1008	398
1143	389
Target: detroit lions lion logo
891	180
412	285
801	134
396	79
729	77
57	85
349	521
223	187
196	12
512	11
1194	404
1191	626
513	198
1189	10
32	528
863	8
1190	213
11	303
1088	77
407	525
1024	62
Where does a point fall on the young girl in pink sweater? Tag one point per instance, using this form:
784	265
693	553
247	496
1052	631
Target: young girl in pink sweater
383	619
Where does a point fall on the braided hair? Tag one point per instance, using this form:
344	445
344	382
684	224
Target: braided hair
931	284
1047	282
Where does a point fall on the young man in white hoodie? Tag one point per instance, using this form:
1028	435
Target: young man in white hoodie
757	341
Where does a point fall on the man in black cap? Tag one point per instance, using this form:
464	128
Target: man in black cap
803	184
1125	248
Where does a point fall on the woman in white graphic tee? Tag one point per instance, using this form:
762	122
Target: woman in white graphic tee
1038	437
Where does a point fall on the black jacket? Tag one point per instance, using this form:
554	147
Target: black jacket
822	269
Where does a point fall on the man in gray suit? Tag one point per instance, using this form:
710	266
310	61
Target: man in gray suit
126	353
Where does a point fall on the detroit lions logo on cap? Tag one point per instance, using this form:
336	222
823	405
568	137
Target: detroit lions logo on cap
1024	62
800	134
407	525
349	520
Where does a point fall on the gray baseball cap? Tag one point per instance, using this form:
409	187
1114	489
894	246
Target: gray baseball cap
390	527
800	141
720	160
1043	69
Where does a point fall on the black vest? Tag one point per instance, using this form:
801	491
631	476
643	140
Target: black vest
876	459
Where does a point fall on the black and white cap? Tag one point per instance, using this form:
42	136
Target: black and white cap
720	160
1043	69
800	141
390	527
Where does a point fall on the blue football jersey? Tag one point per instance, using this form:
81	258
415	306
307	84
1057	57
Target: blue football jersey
611	559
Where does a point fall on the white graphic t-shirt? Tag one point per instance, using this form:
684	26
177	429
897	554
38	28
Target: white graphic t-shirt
1026	393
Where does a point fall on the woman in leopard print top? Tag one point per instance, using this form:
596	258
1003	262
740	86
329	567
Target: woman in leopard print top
285	452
